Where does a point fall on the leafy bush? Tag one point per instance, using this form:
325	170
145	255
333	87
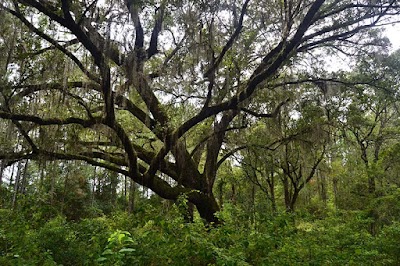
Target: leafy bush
118	250
122	239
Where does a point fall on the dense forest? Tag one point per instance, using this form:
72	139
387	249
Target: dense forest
208	132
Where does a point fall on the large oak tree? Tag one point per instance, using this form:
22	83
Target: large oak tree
149	89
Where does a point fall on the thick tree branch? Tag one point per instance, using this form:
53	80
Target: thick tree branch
32	88
133	7
84	38
271	63
128	105
128	147
156	31
50	121
229	154
24	133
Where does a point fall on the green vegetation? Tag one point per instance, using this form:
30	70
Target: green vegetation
340	238
182	132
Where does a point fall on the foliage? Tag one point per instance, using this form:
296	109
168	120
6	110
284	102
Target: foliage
118	250
163	92
343	238
198	133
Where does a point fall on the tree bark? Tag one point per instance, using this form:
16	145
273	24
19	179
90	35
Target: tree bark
322	187
294	200
2	167
131	199
24	178
271	184
335	182
207	207
17	184
286	193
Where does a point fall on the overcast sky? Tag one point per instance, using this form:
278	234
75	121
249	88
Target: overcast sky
393	33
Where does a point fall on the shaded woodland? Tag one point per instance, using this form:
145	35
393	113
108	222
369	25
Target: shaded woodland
199	133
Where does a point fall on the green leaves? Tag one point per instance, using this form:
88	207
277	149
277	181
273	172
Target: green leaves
283	239
118	250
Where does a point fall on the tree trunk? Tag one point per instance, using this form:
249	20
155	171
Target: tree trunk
335	191
113	185
189	213
16	184
233	196
271	185
93	186
131	200
371	177
294	199
322	187
206	206
286	193
125	192
12	175
24	178
42	166
2	167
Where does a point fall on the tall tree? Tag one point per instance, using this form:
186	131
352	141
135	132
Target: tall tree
133	86
371	113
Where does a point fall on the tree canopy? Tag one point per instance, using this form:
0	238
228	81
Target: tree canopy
163	92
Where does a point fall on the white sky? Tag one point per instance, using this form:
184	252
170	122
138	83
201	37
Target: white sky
393	33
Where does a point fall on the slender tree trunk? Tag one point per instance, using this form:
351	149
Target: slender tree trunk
271	185
99	186
93	186
16	184
286	193
52	183
42	166
125	191
2	167
12	176
371	176
64	193
2	198
131	200
335	191
114	184
24	178
322	187
294	199
233	196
